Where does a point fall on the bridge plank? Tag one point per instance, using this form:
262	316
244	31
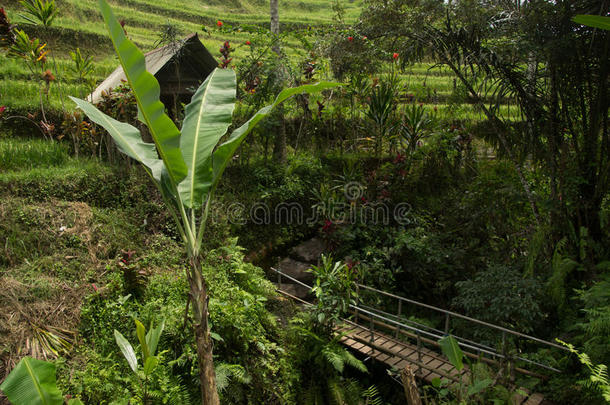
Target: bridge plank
398	354
382	357
534	399
427	365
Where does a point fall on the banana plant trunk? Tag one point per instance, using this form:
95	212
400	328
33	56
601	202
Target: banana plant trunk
199	297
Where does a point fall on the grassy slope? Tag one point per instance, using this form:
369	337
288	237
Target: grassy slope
80	24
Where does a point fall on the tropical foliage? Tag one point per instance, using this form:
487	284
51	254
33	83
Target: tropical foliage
463	164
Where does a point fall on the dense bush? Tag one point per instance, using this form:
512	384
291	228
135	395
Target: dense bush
499	294
248	341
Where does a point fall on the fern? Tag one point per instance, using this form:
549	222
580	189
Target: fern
313	395
598	372
537	244
225	373
561	266
371	396
334	358
599	321
336	392
352	361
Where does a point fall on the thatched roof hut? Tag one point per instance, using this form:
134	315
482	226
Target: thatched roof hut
180	68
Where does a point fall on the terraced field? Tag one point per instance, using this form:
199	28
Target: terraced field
79	24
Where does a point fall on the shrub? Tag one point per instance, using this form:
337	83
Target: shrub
500	295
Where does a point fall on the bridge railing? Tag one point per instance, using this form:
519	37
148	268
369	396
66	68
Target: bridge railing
449	317
376	319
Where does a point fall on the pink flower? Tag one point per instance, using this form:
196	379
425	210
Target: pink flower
350	39
395	55
364	38
94	287
328	226
219	23
2	110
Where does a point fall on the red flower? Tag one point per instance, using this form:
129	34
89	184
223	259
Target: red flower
94	287
350	39
248	43
328	226
395	55
123	23
219	23
2	110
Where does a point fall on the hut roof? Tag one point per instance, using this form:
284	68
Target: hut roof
195	63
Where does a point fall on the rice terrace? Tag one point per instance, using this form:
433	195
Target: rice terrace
308	202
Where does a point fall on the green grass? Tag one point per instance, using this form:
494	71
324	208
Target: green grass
17	154
26	94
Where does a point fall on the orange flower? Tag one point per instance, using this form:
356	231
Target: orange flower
48	77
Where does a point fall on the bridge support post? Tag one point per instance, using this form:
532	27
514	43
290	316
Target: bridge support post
372	336
399	313
357	301
419	370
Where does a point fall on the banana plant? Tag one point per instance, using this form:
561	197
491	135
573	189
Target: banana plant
186	165
33	382
468	392
148	345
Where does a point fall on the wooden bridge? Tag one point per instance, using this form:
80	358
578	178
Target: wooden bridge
398	341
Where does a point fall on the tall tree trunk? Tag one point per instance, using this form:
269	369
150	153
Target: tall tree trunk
410	385
279	146
199	302
275	24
